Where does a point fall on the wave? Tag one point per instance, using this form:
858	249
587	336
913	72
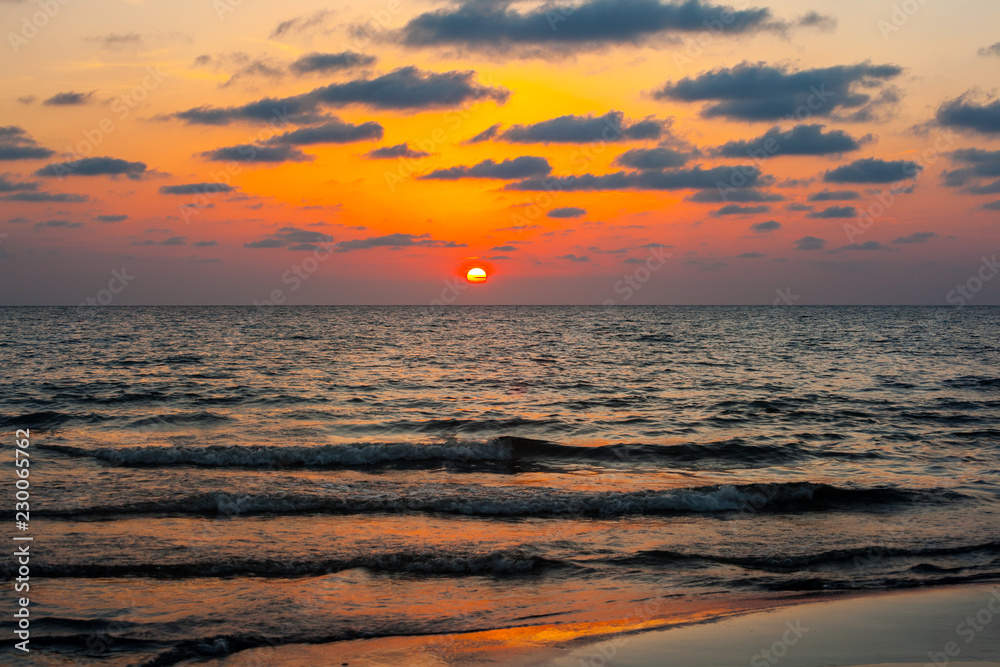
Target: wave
859	556
514	501
499	562
504	449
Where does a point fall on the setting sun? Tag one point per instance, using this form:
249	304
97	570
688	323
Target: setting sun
476	275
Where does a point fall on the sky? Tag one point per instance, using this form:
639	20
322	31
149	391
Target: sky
611	152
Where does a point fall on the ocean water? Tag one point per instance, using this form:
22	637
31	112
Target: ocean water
211	480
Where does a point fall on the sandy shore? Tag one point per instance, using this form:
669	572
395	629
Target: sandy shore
940	627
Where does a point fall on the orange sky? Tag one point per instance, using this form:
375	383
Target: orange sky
106	79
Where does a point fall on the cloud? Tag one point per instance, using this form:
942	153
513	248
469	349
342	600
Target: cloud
292	238
496	26
757	91
16	144
873	170
835	212
653	158
574	258
566	212
59	223
525	166
992	206
406	88
249	153
7	184
332	132
799	207
867	245
834	195
572	129
504	248
397	151
718	196
978	165
965	113
816	20
750	255
993	50
736	209
396	241
46	197
301	23
95	166
768	226
917	237
682	179
27	99
810	243
196	189
486	135
204	244
70	99
116	40
111	218
800	140
330	62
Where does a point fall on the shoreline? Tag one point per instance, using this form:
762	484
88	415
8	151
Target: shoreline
903	628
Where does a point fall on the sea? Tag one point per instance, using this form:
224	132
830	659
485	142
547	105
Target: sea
209	481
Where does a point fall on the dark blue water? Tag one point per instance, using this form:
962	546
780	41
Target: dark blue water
210	480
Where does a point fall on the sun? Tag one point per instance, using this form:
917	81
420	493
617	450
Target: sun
476	275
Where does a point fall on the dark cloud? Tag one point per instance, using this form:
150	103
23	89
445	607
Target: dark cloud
873	170
27	99
718	196
835	212
111	218
993	50
249	153
59	223
965	113
768	226
397	151
653	158
396	241
810	243
992	206
683	179
69	99
332	132
750	255
574	258
46	197
406	88
834	195
978	165
799	207
8	184
330	62
525	166
205	244
800	140
496	26
504	248
16	144
196	189
736	209
95	166
486	135
292	238
583	129
867	245
917	237
175	240
757	91
566	212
